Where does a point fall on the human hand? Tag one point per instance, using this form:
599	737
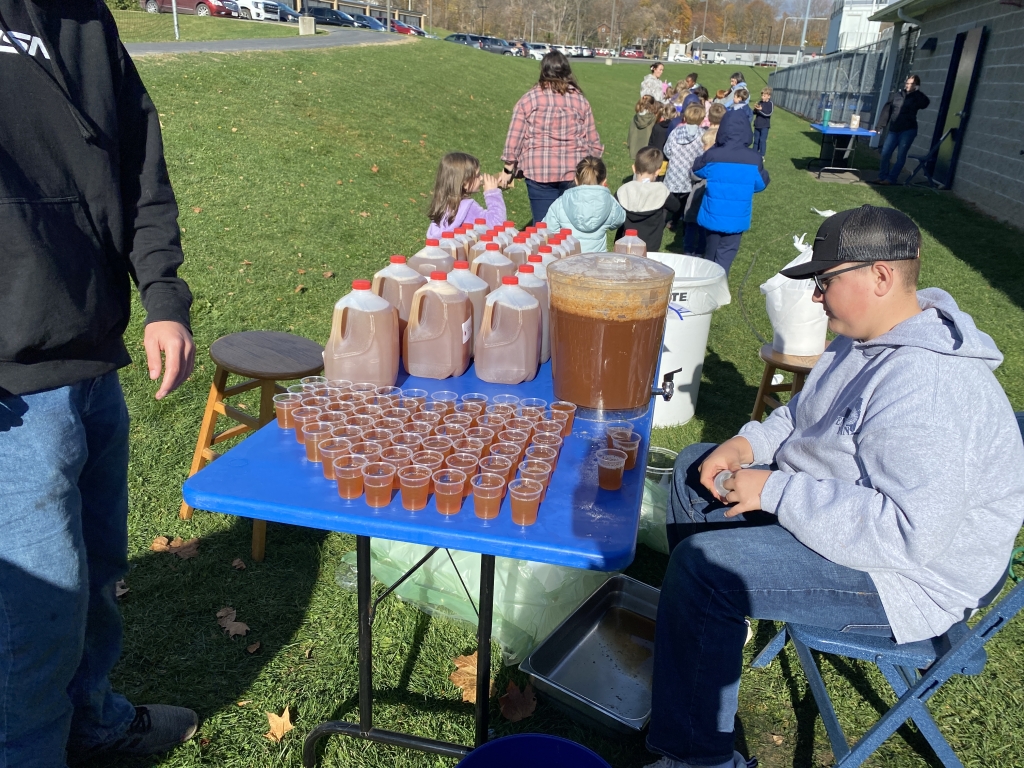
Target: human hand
490	181
757	107
179	353
744	490
504	180
730	455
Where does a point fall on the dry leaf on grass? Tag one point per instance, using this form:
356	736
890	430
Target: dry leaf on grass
243	703
253	648
247	263
777	739
328	275
197	209
374	168
120	588
364	214
177	546
299	288
226	619
309	652
301	271
517	705
279	726
237	564
464	677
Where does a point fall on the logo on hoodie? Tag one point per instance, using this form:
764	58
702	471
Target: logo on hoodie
23	41
847	423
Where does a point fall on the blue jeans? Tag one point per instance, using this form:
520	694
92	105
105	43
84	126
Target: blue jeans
543	194
722	247
720	572
63	546
694	239
761	140
893	139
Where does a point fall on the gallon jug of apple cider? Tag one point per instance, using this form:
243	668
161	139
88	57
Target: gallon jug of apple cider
631	245
466	236
396	283
475	288
538	288
558	250
431	258
509	347
364	338
480	225
540	264
542	231
510	229
518	252
440	331
480	246
571	242
492	266
456	248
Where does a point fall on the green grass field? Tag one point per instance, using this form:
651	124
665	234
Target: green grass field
140	27
290	165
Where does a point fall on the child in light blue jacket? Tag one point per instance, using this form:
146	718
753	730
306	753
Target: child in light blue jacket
589	209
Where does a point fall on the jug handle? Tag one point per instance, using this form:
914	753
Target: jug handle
488	318
376	286
338	327
414	310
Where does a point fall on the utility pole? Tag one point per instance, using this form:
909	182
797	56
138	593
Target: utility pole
482	7
803	35
533	15
174	12
705	29
388	27
611	32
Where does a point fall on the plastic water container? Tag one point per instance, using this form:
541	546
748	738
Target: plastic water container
510	335
431	258
456	248
440	332
491	267
540	265
630	244
480	247
518	252
535	750
699	287
575	249
364	338
476	289
397	283
538	288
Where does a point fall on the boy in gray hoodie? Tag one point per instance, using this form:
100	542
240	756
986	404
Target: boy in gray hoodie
884	498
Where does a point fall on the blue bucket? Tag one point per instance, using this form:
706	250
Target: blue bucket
534	750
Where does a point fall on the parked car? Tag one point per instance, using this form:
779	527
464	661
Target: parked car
633	52
586	53
537	50
417	31
369	22
286	13
227	8
497	45
333	18
401	27
462	38
604	52
259	10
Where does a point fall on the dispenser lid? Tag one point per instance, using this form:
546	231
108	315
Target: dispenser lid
611	286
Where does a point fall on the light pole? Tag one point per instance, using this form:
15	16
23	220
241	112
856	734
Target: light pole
705	29
481	6
611	31
783	38
533	15
803	35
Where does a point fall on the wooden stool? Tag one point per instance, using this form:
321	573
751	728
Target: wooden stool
264	358
798	366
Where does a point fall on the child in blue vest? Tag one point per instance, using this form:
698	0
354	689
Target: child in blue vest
734	172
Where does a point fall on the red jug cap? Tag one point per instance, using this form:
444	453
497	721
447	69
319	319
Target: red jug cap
460	265
479	221
545	249
519	239
510	280
361	285
438	275
534	259
526	269
493	247
486	238
397	259
630	233
565	231
448	234
433	241
510	224
542	225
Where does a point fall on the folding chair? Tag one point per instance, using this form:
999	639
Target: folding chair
923	161
915	671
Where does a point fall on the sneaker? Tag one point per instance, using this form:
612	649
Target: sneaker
156	728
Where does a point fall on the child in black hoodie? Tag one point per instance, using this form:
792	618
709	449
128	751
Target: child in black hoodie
646	200
763	120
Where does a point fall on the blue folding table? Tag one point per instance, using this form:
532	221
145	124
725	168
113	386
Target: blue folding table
830	134
267	477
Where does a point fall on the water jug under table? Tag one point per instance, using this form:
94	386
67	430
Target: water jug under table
440	332
397	283
431	258
509	348
364	338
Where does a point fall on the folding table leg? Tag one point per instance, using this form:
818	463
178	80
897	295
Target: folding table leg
483	648
363	597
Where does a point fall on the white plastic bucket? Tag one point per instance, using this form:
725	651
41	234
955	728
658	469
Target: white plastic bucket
699	288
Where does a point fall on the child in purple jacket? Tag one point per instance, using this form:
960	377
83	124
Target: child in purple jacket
459	177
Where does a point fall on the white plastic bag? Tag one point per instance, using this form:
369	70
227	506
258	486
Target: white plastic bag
798	323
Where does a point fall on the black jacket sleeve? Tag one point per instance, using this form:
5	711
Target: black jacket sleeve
152	238
671	204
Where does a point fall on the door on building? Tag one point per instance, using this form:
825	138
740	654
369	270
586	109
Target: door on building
961	81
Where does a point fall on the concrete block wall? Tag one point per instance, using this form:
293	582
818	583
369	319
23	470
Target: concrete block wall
990	171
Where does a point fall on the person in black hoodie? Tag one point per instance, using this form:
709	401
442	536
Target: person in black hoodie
86	208
899	116
646	200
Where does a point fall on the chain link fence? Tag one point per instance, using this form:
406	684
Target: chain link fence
135	25
850	80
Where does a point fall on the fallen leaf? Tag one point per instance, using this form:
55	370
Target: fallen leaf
338	181
243	703
185	549
374	168
237	564
471	97
328	275
225	615
235	130
253	648
423	135
302	185
423	143
160	544
412	199
517	705
120	588
309	652
236	629
364	214
247	263
299	288
279	726
357	155
464	677
197	209
301	271
203	743
423	194
777	739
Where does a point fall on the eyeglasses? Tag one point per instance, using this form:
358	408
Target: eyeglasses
821	281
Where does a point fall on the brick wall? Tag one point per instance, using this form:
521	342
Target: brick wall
990	171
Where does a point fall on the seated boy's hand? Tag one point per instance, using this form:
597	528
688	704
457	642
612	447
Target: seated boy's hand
745	488
729	455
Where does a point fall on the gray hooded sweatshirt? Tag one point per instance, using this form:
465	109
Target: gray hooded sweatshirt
901	457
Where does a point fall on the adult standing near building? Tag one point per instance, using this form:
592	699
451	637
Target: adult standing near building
552	129
899	118
86	206
652	84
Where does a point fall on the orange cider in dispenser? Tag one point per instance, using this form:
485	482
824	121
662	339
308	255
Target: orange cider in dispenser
440	332
364	338
491	267
397	282
508	351
431	258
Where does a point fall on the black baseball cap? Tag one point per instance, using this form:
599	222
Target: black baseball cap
868	233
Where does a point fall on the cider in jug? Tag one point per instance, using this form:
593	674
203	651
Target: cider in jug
440	331
456	248
492	266
538	288
509	347
396	283
475	288
631	245
431	258
571	242
518	251
364	338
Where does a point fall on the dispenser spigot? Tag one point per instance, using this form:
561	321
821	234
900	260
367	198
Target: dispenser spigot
668	387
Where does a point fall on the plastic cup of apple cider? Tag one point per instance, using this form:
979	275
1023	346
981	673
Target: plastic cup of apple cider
378	482
432	460
302	416
525	495
544	453
414	485
611	463
488	490
397	456
563	406
464	462
348	472
630	445
532	469
448	487
331	449
498	465
284	406
313	433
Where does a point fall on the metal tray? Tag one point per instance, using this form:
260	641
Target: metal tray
597	665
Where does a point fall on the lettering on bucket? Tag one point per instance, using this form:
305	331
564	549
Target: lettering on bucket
680	296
